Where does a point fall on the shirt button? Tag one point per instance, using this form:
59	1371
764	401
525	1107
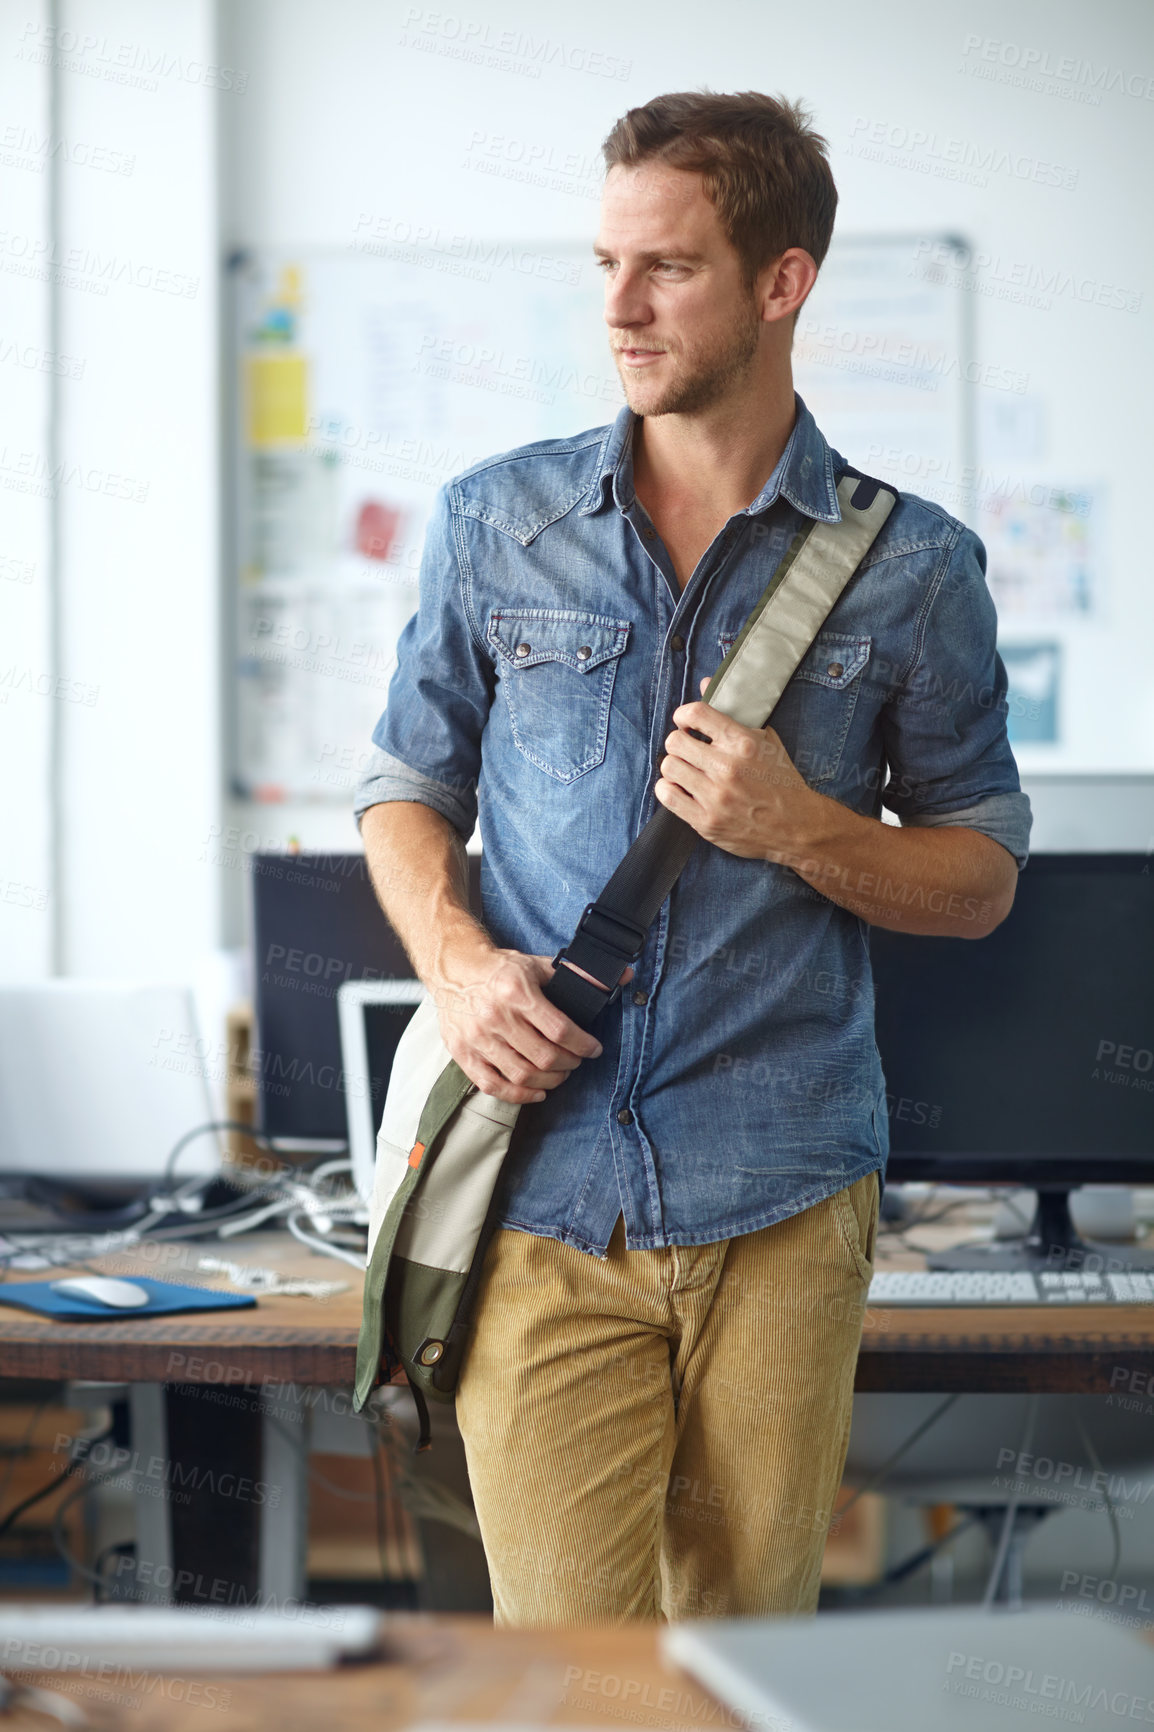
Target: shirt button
677	642
641	998
625	1117
835	670
524	649
584	652
649	532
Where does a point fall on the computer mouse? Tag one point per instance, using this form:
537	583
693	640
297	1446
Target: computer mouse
103	1290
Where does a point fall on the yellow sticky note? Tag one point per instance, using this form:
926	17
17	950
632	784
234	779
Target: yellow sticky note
277	399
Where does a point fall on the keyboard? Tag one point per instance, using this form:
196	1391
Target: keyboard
991	1287
208	1638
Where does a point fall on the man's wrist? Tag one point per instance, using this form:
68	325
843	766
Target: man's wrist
821	827
460	949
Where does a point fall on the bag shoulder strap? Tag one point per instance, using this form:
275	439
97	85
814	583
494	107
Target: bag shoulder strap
813	572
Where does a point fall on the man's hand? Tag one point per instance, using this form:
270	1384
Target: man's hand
741	792
502	1030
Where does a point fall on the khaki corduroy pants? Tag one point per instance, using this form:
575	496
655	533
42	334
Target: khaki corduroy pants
661	1434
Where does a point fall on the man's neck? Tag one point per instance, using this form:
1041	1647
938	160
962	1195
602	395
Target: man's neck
720	459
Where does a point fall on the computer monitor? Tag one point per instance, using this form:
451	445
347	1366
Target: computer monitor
99	1080
373	1015
1027	1057
315	924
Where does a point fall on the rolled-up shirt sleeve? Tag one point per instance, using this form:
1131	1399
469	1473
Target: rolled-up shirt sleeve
948	750
427	743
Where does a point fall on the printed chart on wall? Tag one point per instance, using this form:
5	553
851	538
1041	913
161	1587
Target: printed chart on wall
886	354
364	383
366	378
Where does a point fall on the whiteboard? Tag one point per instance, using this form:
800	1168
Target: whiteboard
365	378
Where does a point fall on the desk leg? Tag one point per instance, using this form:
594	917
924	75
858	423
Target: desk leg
218	1494
232	1527
149	1431
285	1521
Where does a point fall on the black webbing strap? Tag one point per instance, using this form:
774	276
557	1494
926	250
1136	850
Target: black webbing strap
611	932
425	1436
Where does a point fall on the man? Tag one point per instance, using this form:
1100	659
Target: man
656	1397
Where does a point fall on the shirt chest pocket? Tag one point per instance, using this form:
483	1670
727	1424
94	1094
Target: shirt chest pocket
816	708
556	669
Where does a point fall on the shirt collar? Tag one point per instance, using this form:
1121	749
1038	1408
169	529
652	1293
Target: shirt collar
804	472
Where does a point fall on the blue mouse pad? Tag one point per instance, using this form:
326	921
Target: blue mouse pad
165	1297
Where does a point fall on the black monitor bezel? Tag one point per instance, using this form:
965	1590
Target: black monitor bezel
1036	1171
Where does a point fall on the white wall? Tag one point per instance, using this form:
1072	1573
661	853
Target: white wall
129	288
29	903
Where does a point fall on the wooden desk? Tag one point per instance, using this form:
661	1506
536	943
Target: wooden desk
445	1669
991	1350
313	1342
283	1339
442	1670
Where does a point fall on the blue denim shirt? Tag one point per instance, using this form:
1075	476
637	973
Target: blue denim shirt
535	685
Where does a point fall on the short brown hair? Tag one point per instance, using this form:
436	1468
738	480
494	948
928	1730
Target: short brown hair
764	168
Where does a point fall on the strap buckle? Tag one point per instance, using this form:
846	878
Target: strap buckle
623	938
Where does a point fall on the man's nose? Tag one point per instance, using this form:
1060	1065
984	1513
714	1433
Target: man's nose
626	303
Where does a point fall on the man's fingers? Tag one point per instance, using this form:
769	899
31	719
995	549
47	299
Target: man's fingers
520	1071
522	1045
554	1024
688	777
491	1082
715	724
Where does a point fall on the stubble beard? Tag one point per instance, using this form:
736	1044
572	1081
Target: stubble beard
708	374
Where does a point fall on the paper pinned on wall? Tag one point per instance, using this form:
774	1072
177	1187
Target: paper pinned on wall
1034	673
1044	549
277	398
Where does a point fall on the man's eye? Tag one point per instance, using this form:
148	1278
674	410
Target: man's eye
605	264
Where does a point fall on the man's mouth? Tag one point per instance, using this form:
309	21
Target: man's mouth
640	357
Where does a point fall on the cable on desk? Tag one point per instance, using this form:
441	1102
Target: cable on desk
37	1415
1006	1534
853	1593
294	1192
47	1489
357	1259
200	1131
882	1473
58	1539
899	1229
1111	1512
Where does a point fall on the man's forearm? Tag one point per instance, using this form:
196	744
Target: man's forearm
739	788
419	868
510	1041
943	881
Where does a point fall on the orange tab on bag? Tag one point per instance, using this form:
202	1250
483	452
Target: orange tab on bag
415	1154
